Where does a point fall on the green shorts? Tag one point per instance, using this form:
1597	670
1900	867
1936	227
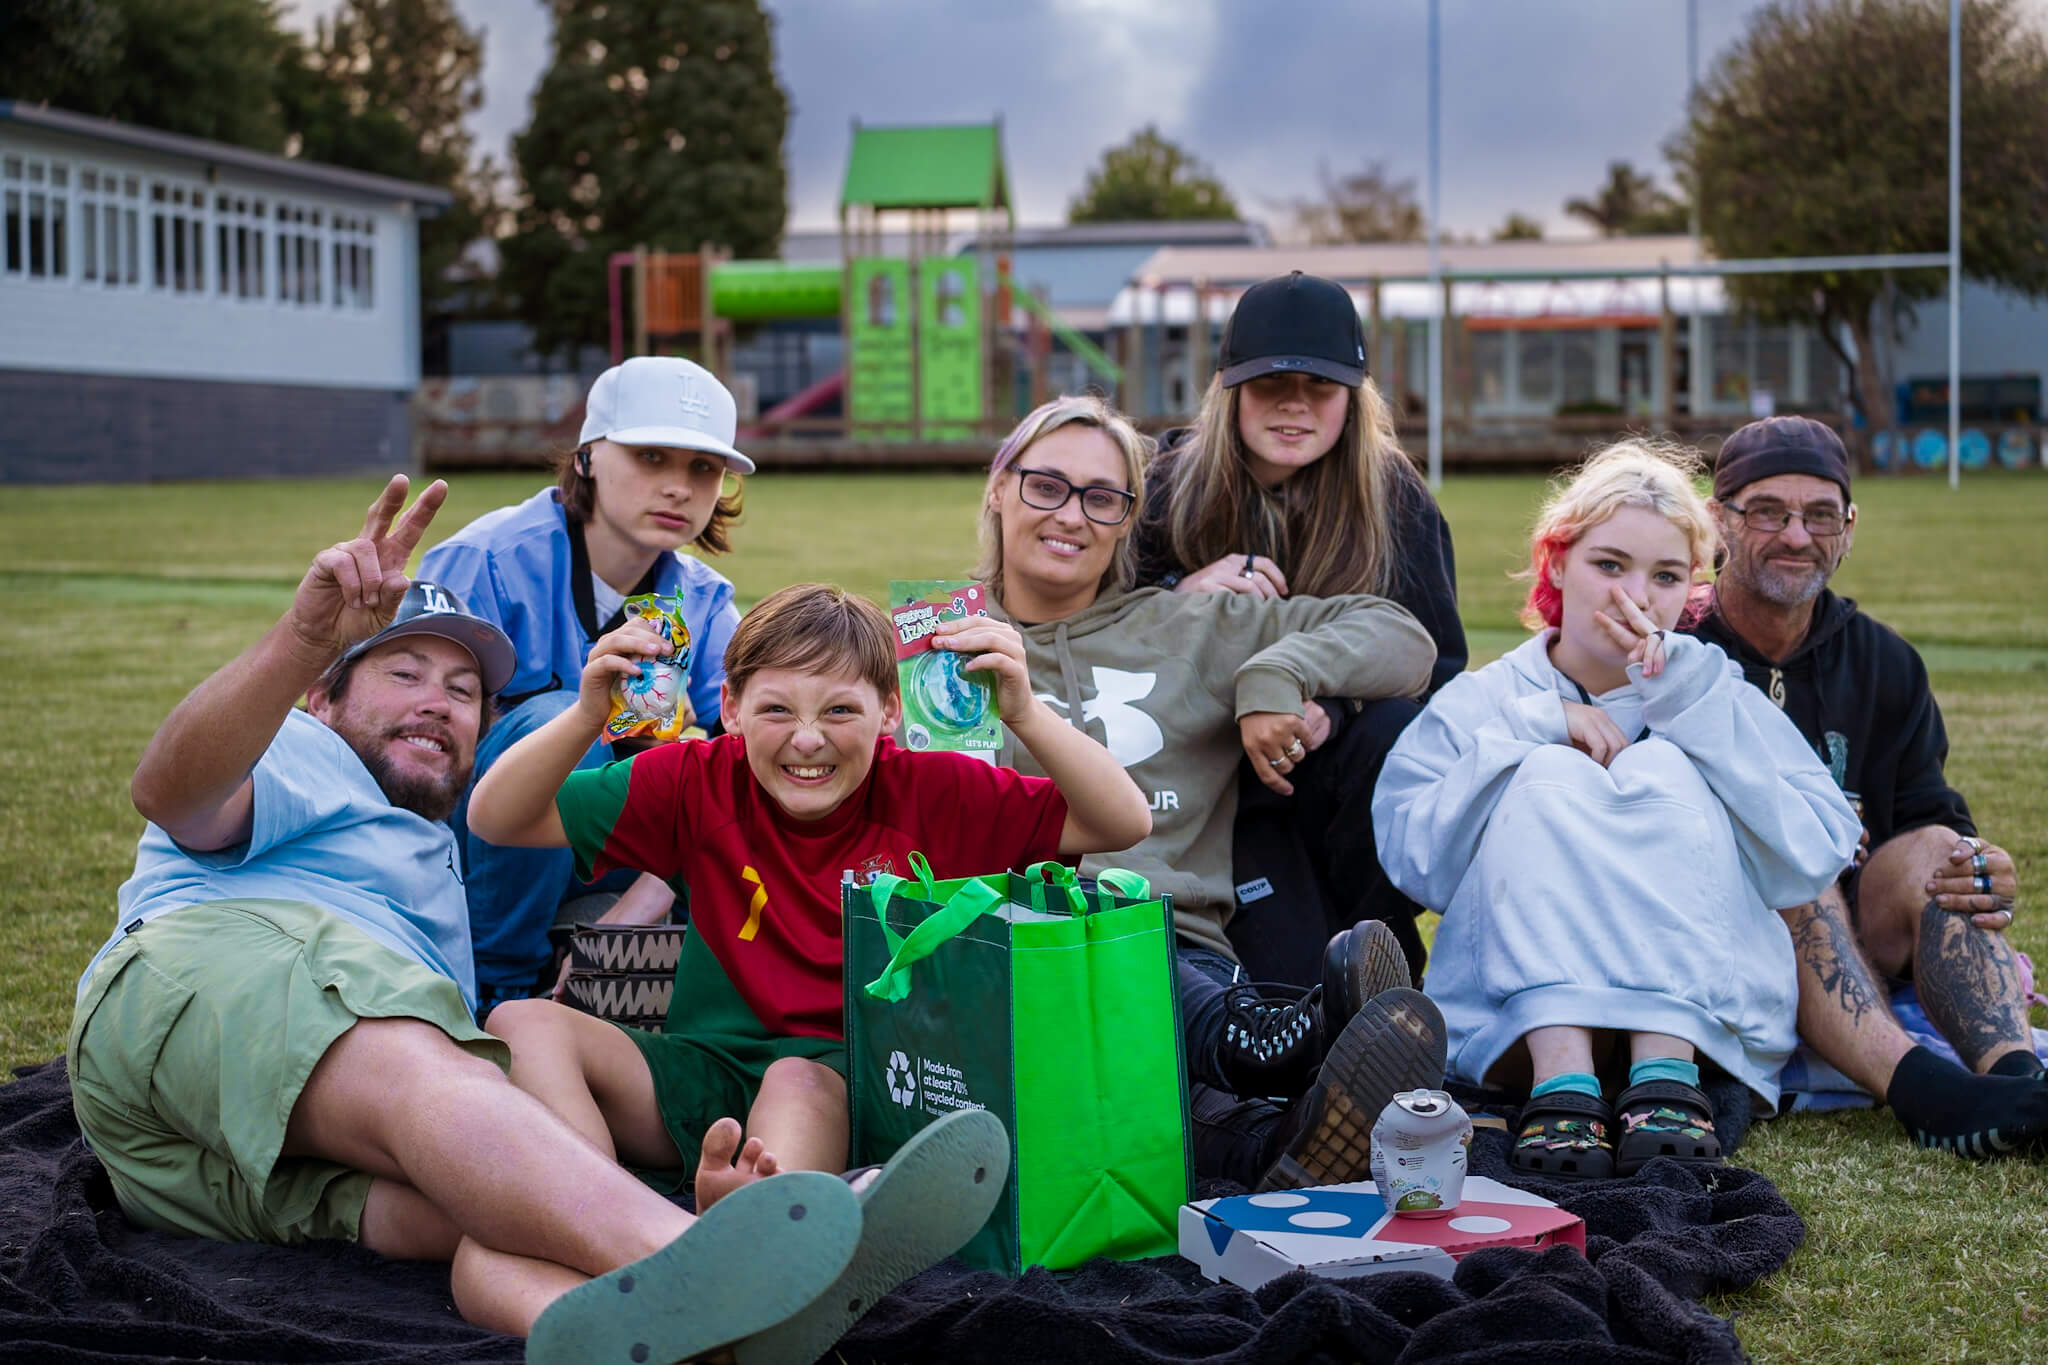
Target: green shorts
700	1078
710	1060
190	1046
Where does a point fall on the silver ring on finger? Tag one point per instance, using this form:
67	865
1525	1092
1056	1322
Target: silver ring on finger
1980	865
1296	749
1976	845
1276	762
1982	881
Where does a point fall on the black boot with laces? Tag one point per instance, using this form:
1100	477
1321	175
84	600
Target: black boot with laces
1272	1040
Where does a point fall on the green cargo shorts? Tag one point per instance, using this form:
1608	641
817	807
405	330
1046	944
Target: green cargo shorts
192	1041
700	1078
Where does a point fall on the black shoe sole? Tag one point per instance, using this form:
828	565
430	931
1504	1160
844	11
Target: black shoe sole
1396	1042
1373	964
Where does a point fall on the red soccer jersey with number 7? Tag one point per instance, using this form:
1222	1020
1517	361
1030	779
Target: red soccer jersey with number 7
764	889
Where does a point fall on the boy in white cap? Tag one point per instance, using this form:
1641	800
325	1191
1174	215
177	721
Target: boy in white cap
653	471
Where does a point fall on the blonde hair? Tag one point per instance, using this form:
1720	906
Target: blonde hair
1659	475
1330	525
1084	410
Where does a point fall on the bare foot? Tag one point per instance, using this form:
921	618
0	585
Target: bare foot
725	1163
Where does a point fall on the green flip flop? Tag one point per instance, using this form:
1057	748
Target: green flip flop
762	1253
927	1202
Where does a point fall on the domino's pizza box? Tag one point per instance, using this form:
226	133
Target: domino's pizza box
1345	1231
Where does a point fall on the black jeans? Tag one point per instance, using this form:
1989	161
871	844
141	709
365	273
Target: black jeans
1314	851
1231	1137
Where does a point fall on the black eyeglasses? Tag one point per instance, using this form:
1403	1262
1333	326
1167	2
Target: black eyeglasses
1048	492
1772	518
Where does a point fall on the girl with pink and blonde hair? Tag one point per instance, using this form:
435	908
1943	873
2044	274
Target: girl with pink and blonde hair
1609	819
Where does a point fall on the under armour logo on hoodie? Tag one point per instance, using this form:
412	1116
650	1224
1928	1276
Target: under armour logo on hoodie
1129	734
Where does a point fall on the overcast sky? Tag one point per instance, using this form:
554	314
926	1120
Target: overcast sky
1538	95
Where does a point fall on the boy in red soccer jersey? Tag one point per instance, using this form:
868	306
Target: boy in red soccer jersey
760	824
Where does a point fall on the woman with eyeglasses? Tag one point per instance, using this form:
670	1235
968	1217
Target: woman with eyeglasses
1291	483
654	470
1180	687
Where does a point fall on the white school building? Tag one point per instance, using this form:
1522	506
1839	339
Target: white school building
174	308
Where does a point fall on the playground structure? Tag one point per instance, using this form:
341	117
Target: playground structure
941	348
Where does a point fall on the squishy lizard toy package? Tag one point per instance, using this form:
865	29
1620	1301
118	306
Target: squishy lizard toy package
649	704
943	708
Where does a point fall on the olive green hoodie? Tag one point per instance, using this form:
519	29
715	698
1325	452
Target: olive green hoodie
1162	678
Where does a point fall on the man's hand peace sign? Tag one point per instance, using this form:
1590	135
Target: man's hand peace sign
353	589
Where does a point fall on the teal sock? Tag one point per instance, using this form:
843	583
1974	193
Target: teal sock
1665	1069
1581	1082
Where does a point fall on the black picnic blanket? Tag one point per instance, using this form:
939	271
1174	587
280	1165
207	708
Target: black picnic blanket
79	1283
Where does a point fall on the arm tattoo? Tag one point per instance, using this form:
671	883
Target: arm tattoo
1826	947
1969	983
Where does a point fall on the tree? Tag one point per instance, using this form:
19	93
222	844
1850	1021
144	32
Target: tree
1518	227
50	48
659	122
1630	205
1824	131
1149	178
1365	206
205	68
385	87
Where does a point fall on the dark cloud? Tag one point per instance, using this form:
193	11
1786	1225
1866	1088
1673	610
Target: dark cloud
1538	95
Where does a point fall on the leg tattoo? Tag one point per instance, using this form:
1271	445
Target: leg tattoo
1826	946
1969	982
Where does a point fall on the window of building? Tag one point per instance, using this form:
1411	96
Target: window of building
298	254
1537	362
37	199
177	225
238	228
1576	365
109	228
1489	368
354	261
1774	362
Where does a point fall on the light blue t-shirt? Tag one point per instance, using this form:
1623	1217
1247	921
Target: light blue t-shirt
322	831
511	567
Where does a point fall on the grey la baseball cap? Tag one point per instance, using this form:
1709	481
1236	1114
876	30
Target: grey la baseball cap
430	609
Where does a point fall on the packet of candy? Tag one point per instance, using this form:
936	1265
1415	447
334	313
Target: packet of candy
943	708
649	704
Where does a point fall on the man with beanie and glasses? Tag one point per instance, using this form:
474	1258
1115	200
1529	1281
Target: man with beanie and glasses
1928	900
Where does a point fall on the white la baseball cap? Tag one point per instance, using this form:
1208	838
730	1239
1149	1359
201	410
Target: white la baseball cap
659	400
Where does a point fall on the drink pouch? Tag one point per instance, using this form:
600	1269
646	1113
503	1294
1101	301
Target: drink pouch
943	708
649	704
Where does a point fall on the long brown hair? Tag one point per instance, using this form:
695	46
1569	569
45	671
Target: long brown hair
1329	525
579	499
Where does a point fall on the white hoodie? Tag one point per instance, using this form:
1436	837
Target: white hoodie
1642	896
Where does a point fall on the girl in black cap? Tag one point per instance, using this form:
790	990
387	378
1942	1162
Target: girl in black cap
1292	483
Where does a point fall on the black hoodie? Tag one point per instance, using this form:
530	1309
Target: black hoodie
1859	694
1425	572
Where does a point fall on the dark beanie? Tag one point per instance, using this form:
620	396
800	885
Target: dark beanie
1780	445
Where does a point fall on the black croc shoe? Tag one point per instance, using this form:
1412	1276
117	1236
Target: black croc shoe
1565	1135
1665	1118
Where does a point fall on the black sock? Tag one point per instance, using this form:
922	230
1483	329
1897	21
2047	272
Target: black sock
1944	1106
2016	1064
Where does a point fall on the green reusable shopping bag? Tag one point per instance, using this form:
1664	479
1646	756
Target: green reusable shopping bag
1049	1002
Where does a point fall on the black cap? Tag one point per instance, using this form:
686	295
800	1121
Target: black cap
430	609
1294	324
1780	445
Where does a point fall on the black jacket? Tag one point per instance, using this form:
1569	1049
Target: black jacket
1426	571
1859	694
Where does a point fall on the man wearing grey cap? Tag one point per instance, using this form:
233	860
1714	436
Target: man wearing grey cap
1928	899
277	1043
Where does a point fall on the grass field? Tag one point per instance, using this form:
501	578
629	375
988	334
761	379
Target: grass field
120	599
